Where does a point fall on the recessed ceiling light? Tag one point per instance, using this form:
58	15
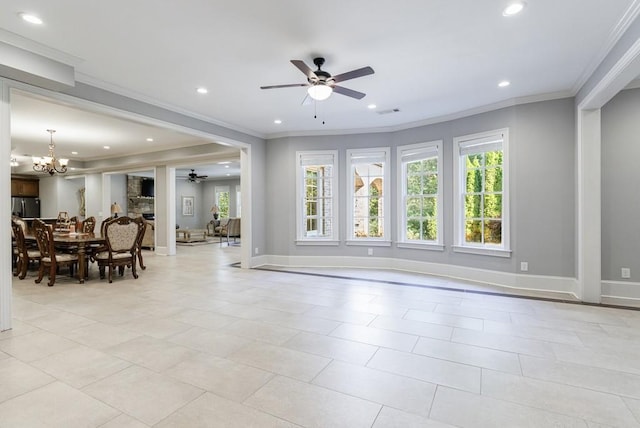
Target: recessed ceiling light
74	153
106	147
371	106
504	84
150	139
226	166
277	121
513	9
202	90
32	19
228	175
223	163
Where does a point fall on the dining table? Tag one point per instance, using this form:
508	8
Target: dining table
77	243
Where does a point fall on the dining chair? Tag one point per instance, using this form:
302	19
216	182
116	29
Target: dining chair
48	256
122	237
62	222
24	255
140	239
230	230
88	225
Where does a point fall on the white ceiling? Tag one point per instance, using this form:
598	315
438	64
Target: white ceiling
432	58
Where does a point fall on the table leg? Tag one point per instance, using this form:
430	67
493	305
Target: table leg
81	263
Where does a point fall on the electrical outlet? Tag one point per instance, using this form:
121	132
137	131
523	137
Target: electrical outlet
256	252
524	266
625	273
370	251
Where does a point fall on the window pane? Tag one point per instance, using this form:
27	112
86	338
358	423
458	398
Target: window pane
472	204
474	161
430	183
430	230
430	165
493	158
413	230
414	167
493	179
473	231
375	228
474	181
493	232
413	185
360	227
312	208
493	206
429	208
414	207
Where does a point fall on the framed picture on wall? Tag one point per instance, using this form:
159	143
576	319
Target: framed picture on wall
187	205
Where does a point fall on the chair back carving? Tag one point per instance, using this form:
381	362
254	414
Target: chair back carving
89	225
18	235
44	237
121	234
62	222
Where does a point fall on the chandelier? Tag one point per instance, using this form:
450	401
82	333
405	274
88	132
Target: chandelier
49	163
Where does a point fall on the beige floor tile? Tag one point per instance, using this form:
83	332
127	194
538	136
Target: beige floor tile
313	406
530	332
376	336
391	390
568	400
469	354
154	354
49	407
36	345
279	360
209	341
124	421
223	377
204	319
143	394
100	336
445	319
160	328
211	411
537	348
256	330
60	322
464	409
417	328
342	315
428	369
332	347
392	418
634	406
302	322
18	328
609	358
474	312
554	324
81	366
595	378
17	377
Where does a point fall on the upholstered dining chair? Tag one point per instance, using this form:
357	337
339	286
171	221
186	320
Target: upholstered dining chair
24	255
230	230
48	256
122	237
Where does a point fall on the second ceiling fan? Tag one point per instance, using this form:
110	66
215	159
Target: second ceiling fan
321	84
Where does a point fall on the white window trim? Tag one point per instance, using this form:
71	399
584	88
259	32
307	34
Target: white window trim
403	242
385	240
301	239
460	246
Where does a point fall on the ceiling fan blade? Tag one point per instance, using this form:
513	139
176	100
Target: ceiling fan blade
291	85
304	68
349	92
364	71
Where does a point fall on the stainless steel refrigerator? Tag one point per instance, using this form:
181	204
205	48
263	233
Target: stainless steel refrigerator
25	207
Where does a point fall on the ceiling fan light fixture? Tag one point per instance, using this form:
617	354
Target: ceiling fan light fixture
320	92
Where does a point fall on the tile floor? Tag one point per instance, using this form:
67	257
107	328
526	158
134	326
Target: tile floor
195	342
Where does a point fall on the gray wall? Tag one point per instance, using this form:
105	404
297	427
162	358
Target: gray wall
542	188
197	220
621	186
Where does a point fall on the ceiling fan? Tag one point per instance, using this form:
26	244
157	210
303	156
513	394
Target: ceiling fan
321	84
195	178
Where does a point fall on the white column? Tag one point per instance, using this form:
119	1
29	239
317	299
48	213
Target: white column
589	206
6	276
247	212
165	210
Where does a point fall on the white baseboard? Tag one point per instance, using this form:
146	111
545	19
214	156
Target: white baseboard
621	293
548	284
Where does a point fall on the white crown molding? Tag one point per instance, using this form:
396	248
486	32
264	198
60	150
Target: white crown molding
38	48
430	121
614	36
556	287
100	84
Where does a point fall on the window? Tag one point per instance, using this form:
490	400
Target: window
420	187
222	200
481	202
368	175
317	203
238	202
